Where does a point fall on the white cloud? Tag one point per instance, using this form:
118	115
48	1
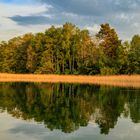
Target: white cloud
10	28
8	10
136	24
18	30
123	16
93	29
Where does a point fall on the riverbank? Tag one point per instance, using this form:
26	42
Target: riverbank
120	80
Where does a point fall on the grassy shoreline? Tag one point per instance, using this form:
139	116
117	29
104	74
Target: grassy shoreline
116	80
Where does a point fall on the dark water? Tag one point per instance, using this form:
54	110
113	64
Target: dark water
68	112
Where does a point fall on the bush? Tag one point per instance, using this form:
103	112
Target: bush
108	71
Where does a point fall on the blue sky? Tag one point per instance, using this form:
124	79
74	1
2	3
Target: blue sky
18	17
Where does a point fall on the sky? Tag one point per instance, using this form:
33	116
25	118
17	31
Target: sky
18	17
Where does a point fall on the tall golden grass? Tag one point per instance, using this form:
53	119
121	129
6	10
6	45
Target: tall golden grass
120	80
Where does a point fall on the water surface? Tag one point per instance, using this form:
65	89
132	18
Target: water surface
45	111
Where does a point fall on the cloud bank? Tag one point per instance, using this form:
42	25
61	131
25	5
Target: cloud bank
31	14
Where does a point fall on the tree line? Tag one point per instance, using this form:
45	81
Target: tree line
71	50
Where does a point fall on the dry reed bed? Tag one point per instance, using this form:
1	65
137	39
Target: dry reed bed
120	80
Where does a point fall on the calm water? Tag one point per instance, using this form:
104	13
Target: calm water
68	112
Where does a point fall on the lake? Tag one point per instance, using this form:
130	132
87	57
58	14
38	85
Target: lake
48	111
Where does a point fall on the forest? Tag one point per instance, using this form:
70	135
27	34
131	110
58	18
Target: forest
71	50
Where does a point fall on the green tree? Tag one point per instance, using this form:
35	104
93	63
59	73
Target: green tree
134	55
34	52
109	44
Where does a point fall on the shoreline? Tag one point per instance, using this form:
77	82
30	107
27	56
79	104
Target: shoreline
115	80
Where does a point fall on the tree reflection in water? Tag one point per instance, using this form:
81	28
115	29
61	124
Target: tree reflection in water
69	106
